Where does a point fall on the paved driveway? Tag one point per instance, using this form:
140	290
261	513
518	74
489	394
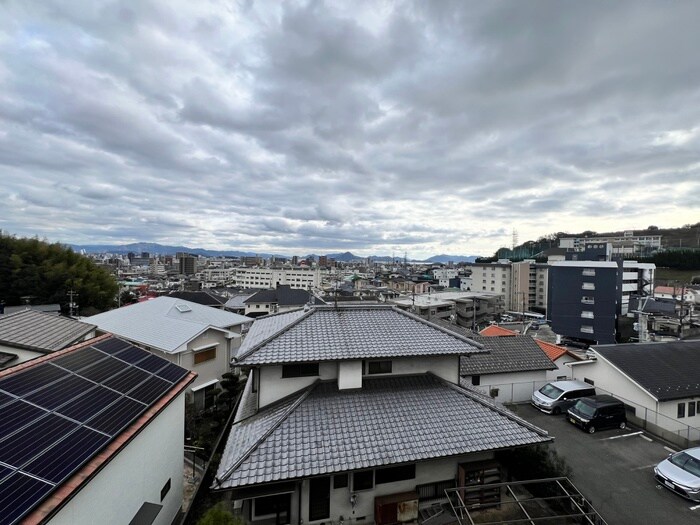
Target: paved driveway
614	471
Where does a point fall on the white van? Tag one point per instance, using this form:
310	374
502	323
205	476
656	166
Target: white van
556	397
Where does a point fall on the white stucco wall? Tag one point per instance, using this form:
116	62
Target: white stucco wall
135	476
273	387
446	367
426	472
512	387
349	374
207	370
22	355
562	368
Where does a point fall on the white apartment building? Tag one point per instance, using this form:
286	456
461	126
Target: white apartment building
637	279
305	278
528	285
626	244
218	275
493	277
522	284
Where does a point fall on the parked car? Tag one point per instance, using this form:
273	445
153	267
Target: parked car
556	397
680	473
596	412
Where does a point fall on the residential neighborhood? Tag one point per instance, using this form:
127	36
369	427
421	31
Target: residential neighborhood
317	262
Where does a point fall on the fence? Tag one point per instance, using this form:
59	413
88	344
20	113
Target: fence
664	427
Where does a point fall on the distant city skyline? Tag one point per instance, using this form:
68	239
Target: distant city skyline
373	127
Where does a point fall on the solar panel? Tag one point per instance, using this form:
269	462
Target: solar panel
18	495
103	370
31	440
60	392
127	380
61	459
119	415
78	360
4	472
16	415
5	398
37	376
112	346
132	355
152	389
89	404
62	418
172	373
153	363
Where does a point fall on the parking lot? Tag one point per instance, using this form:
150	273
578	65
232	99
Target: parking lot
614	471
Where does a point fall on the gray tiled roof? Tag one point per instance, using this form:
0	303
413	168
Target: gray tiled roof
390	420
326	333
666	370
35	330
166	323
518	353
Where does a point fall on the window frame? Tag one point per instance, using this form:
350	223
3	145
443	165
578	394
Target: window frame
204	356
378	367
293	370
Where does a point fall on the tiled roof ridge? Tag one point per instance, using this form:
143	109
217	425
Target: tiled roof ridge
438	327
268	432
504	412
279	332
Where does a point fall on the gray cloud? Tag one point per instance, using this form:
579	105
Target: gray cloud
401	126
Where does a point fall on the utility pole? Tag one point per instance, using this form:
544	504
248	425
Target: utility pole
72	306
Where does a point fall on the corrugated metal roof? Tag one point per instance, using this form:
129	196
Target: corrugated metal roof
35	330
166	323
326	333
391	420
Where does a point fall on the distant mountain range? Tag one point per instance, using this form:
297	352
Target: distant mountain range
160	249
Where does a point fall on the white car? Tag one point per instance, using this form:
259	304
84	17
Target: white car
680	472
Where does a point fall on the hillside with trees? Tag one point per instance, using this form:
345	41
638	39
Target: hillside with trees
680	246
36	272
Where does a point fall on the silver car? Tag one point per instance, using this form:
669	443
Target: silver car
680	472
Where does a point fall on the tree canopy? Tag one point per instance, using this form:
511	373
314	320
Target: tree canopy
37	272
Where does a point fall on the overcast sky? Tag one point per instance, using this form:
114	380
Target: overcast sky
379	127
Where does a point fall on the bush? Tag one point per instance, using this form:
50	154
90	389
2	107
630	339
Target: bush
219	515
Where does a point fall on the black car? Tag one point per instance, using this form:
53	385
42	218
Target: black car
596	412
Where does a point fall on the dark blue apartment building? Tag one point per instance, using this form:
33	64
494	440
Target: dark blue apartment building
584	299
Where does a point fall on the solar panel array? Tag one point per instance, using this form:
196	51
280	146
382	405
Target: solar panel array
56	416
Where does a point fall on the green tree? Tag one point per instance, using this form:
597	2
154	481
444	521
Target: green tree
36	271
219	515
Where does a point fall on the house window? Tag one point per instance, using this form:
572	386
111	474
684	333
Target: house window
271	506
691	409
363	480
588	286
681	410
587	314
392	474
379	367
476	380
340	481
204	355
589	381
300	370
164	491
